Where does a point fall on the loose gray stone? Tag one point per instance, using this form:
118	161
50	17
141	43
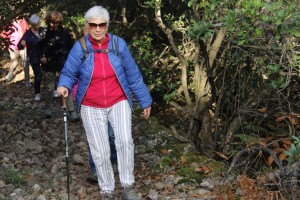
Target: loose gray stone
159	186
41	197
78	159
2	184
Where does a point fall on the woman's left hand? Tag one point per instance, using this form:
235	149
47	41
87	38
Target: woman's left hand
147	112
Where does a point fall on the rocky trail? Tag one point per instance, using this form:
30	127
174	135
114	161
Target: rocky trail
32	154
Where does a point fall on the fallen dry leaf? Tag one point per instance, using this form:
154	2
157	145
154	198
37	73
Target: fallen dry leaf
183	160
164	151
293	120
206	169
287	141
282	156
270	160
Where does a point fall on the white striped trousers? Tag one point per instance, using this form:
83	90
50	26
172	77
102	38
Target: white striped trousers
95	124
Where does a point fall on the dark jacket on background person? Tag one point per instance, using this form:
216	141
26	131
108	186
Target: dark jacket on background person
55	46
31	39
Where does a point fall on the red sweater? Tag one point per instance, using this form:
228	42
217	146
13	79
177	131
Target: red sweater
104	90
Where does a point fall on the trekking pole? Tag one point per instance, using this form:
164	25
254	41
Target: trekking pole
64	106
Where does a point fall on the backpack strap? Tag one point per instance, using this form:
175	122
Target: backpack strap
83	45
115	45
115	48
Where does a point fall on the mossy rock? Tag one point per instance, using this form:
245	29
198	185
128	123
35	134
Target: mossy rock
189	174
165	162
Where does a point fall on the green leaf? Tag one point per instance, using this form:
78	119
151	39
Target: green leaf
240	33
295	138
278	21
190	3
258	31
241	42
231	28
288	153
273	68
281	14
212	6
295	33
293	148
265	18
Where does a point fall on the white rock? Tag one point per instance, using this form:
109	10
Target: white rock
36	188
5	160
207	185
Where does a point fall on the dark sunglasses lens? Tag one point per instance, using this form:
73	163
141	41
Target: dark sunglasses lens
102	25
93	25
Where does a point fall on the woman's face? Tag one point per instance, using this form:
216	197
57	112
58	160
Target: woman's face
54	25
35	26
97	28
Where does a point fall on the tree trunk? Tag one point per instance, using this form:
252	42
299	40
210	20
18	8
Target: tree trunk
206	93
168	33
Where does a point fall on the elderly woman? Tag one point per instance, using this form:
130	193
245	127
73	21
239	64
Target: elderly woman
29	40
106	82
55	45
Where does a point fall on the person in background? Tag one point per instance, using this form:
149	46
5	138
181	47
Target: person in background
55	44
19	27
29	41
104	95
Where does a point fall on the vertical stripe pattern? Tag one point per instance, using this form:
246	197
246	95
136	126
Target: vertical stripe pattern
95	122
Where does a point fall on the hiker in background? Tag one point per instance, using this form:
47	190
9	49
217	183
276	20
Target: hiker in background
55	44
29	41
104	95
19	27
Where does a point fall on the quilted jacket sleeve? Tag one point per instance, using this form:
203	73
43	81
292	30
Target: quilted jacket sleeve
69	74
134	77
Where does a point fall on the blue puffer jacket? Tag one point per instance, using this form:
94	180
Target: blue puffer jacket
128	74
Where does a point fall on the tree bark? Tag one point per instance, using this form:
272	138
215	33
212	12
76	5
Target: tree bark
214	49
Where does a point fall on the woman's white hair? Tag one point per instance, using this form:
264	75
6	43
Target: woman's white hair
97	12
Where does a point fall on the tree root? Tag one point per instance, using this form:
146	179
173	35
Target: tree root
179	136
287	177
252	150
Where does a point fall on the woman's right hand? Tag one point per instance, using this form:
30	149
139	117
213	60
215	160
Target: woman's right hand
23	42
43	60
63	91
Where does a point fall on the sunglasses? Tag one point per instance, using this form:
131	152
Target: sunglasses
35	25
101	25
55	23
